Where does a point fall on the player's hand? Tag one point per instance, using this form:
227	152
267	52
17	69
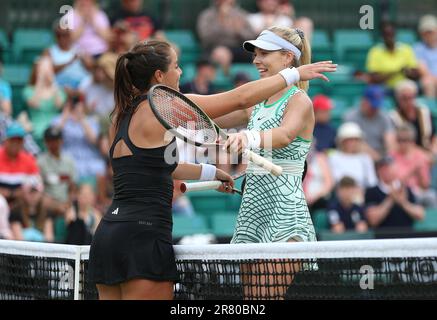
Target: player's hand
228	183
236	143
315	70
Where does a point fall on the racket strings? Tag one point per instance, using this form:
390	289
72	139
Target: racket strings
183	117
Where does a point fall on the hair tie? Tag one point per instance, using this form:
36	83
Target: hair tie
300	33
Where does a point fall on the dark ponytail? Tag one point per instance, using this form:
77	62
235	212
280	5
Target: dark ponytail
134	72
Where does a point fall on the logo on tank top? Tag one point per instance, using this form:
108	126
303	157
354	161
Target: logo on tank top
115	211
261	117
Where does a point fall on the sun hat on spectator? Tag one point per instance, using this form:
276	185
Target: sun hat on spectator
349	130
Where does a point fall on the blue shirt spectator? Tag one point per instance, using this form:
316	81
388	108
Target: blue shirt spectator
5	97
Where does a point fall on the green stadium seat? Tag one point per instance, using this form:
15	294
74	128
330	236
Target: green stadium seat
341	106
223	224
317	86
188	72
407	36
345	72
248	68
321	47
184	226
348	235
429	223
349	90
221	81
208	202
28	44
431	103
60	230
320	220
5	49
352	46
187	42
18	76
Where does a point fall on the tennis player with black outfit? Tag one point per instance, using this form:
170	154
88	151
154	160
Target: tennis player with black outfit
131	255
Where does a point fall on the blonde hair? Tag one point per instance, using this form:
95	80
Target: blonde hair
300	41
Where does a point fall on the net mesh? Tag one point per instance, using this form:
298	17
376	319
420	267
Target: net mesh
182	116
363	269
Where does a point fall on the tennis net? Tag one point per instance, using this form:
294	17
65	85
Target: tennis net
360	269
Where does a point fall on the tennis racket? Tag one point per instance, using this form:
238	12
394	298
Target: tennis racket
209	185
187	121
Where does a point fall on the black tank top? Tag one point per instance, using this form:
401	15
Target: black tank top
143	185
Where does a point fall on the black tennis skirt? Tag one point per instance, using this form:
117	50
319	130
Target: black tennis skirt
125	250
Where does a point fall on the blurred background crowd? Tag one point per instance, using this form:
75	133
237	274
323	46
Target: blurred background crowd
372	167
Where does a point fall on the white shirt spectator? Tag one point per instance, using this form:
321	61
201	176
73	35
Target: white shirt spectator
357	166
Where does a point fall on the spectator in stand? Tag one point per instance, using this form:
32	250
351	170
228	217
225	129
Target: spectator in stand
91	29
409	110
57	171
318	182
426	52
5	227
391	204
343	213
43	97
5	95
391	62
70	68
122	39
29	219
138	20
80	133
82	219
324	132
29	143
222	29
98	90
413	167
202	83
349	159
303	23
268	16
15	164
375	124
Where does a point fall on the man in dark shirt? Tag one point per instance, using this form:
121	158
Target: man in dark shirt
138	20
390	204
343	212
324	132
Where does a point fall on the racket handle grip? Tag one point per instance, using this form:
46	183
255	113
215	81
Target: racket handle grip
198	186
262	162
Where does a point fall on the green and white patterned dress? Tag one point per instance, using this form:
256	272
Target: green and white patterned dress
274	209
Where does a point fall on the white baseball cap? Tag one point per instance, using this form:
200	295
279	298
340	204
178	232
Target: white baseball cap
427	23
349	130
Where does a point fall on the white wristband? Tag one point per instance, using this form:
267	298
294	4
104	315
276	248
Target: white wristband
290	75
208	172
253	139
